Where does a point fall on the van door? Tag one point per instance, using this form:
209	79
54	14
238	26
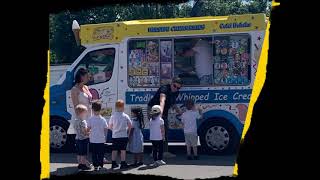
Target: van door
102	64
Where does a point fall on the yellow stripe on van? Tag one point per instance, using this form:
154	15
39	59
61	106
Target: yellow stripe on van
109	33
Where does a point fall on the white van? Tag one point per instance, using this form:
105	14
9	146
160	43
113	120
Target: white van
130	60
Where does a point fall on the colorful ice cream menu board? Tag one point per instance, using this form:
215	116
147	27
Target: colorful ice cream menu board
166	61
231	60
143	65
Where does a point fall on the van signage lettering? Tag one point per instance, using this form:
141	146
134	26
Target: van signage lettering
234	25
177	28
199	96
102	33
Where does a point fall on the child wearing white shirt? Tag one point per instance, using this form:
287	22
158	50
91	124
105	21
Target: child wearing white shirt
157	135
189	120
98	127
120	124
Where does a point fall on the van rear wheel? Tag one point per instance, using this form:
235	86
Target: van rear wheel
60	141
219	137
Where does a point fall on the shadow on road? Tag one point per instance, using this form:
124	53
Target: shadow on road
180	159
66	171
74	170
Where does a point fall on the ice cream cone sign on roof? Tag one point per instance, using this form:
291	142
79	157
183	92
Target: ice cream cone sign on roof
76	31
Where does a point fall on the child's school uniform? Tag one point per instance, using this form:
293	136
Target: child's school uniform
156	138
97	125
82	139
119	121
136	143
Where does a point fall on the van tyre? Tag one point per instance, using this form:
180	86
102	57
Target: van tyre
218	137
60	141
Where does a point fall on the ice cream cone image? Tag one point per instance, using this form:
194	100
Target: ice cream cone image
76	31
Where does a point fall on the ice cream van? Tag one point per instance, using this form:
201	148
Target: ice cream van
216	57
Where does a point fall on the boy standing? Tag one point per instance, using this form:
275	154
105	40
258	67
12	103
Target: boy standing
82	138
120	124
189	120
97	125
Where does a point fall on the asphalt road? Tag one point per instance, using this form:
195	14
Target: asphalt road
178	167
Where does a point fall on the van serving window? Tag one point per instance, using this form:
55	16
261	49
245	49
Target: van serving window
193	61
199	61
231	60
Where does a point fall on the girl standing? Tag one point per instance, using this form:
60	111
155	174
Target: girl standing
157	135
136	136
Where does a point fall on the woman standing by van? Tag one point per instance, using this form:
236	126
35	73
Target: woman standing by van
80	93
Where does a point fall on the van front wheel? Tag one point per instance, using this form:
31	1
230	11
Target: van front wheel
218	137
60	141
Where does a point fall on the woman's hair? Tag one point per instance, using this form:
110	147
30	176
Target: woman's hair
139	114
81	72
80	108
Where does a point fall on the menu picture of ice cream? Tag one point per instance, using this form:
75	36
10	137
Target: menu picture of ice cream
143	64
166	51
166	70
136	57
153	69
235	55
152	51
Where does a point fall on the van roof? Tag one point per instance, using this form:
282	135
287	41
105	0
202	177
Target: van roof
108	33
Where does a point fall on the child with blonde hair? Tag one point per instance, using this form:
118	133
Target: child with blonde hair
82	136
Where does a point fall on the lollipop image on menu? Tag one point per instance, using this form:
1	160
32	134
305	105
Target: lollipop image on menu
244	57
230	58
234	44
224	43
217	59
217	42
224	51
232	51
244	42
237	57
242	49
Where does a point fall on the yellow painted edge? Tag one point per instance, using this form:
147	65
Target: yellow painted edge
258	84
44	143
275	3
